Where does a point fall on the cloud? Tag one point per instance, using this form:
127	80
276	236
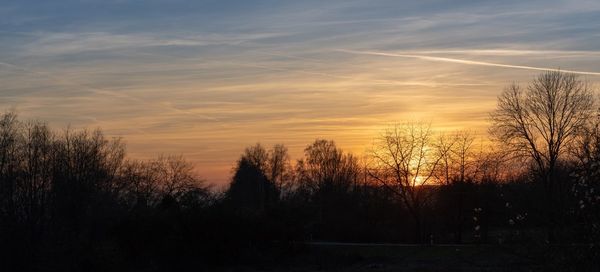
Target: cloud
72	43
206	79
466	62
102	92
506	52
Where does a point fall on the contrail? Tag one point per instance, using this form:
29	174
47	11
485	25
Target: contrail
507	52
467	62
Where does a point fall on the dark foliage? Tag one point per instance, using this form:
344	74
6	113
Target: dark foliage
72	201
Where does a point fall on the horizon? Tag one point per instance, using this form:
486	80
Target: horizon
205	79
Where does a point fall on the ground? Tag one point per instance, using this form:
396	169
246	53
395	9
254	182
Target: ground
390	257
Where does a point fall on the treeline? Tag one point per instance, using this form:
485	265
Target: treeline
73	200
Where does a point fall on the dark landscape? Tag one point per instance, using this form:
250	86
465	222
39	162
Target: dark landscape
299	136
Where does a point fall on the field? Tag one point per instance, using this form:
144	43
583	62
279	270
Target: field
406	257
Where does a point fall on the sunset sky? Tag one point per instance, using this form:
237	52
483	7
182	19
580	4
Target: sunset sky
206	78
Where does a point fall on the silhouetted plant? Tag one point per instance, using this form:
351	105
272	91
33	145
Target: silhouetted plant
539	123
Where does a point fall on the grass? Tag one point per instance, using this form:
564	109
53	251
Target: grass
340	257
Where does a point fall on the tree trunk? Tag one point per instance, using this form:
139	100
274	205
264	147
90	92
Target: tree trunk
417	220
549	209
459	218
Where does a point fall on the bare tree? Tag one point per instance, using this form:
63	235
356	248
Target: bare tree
258	156
493	165
149	182
327	168
36	177
176	176
446	170
587	184
404	159
140	182
456	172
279	166
465	155
274	164
259	176
540	121
10	137
327	177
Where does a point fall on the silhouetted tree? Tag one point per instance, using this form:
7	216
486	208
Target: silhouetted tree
456	172
251	188
459	159
26	152
175	176
326	168
539	123
141	184
71	200
146	183
279	168
258	156
587	185
405	160
10	137
327	176
35	176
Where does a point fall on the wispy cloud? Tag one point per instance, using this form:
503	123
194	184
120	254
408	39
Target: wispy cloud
103	92
506	52
71	43
466	62
206	79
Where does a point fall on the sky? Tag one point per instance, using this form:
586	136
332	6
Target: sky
204	79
